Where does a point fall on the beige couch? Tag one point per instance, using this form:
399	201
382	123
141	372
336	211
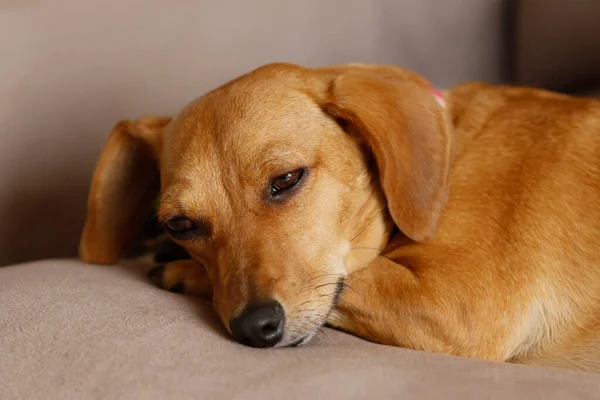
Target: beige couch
70	69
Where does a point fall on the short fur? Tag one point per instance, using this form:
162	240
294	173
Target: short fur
471	230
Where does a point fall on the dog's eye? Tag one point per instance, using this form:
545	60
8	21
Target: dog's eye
179	225
286	181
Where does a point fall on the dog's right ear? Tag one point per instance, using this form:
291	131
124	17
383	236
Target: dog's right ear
407	130
123	185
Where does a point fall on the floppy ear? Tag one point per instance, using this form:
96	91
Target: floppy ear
123	185
409	134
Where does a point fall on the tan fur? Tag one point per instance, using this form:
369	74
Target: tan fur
472	230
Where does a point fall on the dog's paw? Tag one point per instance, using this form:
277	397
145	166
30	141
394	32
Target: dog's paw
182	276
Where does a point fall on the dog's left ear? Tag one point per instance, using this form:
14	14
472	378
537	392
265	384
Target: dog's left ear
396	114
124	183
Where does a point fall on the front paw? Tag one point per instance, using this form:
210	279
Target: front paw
182	276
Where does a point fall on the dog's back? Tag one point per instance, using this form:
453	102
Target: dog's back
523	219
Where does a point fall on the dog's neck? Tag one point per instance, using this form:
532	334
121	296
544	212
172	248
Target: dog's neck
439	97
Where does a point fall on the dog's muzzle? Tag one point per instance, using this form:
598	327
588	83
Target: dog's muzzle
260	325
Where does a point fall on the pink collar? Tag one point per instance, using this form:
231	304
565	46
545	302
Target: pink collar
439	97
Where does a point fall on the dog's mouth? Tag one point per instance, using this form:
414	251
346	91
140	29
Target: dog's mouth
300	341
306	338
338	292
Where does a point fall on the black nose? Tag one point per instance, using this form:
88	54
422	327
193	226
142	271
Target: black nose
259	326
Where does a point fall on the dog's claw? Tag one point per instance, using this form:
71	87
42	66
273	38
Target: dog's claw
155	274
182	277
178	287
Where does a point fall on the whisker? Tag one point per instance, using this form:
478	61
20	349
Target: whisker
327	284
324	275
306	302
365	248
366	226
311	287
346	286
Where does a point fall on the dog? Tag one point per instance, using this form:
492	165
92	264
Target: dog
356	196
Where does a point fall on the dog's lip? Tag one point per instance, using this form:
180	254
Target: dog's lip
306	338
298	342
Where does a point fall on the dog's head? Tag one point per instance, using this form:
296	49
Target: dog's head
280	182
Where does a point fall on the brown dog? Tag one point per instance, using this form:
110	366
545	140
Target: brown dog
349	196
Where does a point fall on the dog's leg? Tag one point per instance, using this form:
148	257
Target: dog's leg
183	276
388	304
581	352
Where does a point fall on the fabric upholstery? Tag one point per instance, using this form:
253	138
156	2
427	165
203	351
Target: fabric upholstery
70	69
75	331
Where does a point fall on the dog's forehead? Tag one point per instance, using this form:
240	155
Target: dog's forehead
250	111
237	107
240	126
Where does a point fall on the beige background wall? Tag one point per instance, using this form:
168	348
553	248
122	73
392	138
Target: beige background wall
69	69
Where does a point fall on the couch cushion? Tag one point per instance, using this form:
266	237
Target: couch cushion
74	331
